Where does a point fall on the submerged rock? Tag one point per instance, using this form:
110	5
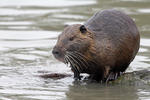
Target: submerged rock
134	78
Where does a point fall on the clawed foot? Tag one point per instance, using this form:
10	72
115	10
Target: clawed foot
113	76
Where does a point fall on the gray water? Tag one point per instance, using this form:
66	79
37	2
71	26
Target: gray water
28	32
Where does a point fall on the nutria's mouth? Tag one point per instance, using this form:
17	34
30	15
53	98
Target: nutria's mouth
76	61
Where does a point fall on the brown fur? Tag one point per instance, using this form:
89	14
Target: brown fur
108	45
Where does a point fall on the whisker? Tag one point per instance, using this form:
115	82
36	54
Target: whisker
80	59
75	70
72	64
76	62
91	62
84	60
65	59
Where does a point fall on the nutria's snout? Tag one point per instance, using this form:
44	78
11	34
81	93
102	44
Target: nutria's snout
58	53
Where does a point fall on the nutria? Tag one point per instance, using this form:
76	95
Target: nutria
103	47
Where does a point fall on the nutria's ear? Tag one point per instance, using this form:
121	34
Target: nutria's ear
83	29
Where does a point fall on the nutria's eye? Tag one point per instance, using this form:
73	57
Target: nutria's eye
71	38
83	29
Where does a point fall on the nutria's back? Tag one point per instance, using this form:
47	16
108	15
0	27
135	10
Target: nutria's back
103	47
111	22
116	36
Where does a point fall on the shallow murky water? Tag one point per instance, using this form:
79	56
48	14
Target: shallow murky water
28	31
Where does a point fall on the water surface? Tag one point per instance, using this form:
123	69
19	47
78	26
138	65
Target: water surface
28	31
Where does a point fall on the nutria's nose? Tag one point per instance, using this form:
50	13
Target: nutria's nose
56	52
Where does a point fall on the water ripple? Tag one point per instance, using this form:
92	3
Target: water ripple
28	32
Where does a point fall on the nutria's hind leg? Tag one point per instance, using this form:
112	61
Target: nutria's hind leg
113	76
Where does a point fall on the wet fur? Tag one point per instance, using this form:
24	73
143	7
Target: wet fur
105	50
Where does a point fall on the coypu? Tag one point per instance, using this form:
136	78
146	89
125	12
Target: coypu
103	47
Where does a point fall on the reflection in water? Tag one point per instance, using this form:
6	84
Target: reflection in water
101	92
28	31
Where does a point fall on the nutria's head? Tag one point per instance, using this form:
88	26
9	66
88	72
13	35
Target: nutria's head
74	40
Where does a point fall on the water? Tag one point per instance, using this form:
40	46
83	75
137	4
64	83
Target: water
28	31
